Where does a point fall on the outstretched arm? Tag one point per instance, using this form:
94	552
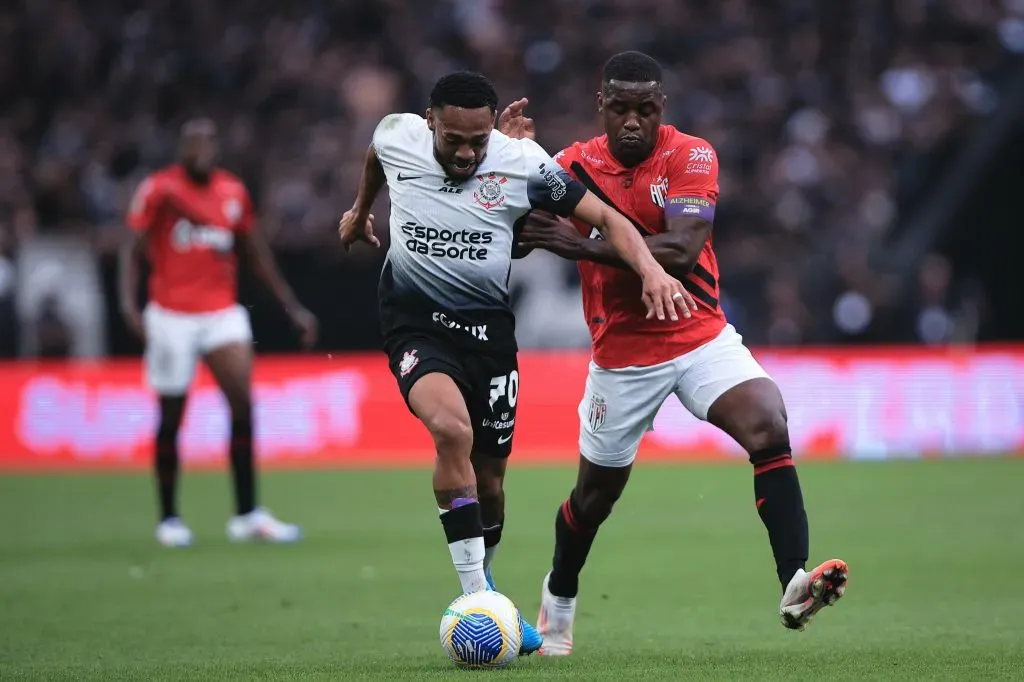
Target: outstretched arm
622	239
257	253
662	292
689	216
145	205
677	249
551	188
371	182
132	252
357	223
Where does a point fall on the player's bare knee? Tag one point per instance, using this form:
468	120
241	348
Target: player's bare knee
239	400
767	430
452	433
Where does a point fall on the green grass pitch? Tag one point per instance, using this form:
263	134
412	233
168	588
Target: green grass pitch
680	584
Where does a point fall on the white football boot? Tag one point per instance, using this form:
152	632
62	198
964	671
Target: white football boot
173	532
260	525
808	593
554	622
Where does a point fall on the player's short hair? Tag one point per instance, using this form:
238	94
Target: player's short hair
465	89
632	67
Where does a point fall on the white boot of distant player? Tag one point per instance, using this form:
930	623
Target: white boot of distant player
554	623
260	525
808	593
173	532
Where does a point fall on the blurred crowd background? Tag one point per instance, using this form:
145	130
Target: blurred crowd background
870	150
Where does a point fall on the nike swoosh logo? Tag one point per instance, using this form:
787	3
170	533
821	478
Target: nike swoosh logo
504	439
403	178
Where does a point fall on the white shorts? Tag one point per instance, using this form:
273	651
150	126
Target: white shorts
175	342
619	405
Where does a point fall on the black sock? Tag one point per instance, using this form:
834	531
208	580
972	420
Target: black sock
492	534
780	504
462	522
243	469
572	545
464	530
166	469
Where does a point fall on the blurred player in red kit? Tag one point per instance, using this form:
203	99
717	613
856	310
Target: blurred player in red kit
666	182
188	219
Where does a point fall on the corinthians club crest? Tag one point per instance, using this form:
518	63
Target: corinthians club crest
409	360
489	194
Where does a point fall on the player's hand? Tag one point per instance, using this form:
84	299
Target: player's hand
663	294
356	227
543	230
133	320
307	324
513	123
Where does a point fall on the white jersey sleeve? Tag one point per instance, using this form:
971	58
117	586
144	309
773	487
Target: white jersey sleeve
399	141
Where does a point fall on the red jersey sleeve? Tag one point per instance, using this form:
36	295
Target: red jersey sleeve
248	215
236	203
145	204
692	180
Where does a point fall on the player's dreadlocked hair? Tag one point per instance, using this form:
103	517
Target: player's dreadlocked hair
632	67
465	89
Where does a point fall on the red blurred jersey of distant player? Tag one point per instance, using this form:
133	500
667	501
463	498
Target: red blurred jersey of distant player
682	174
191	230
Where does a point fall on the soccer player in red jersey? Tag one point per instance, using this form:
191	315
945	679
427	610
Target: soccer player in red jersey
188	220
666	182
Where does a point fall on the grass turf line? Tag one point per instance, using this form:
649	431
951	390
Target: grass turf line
680	584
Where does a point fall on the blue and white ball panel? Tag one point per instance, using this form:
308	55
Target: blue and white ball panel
481	630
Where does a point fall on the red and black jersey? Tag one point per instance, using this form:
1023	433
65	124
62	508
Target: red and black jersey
679	178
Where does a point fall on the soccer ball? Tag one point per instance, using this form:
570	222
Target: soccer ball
481	630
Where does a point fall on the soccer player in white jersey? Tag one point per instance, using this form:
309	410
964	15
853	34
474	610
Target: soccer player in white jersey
457	189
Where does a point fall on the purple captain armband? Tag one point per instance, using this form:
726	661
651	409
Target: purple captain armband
462	502
698	207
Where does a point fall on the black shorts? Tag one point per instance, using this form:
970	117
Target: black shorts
489	383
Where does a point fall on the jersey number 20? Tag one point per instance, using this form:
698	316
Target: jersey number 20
505	386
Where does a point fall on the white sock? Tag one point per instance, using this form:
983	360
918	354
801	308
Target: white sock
468	558
489	553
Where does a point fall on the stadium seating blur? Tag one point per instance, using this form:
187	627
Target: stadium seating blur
868	237
824	153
